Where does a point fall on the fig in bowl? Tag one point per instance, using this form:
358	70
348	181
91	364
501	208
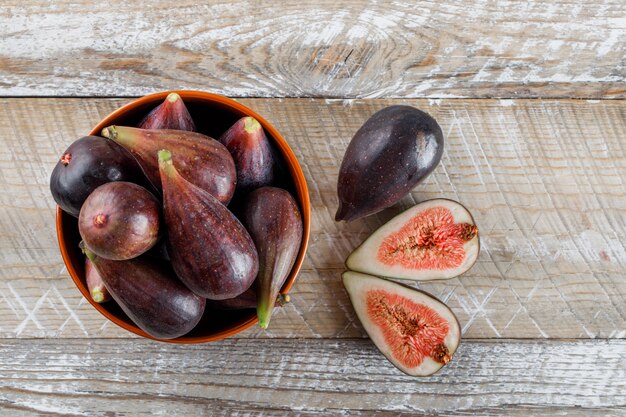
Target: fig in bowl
210	116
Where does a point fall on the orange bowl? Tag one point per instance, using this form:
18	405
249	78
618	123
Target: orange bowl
213	114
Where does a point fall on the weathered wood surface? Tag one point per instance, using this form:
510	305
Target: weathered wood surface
356	48
109	377
544	180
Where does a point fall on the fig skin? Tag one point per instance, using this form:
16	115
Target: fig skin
247	143
358	285
97	290
85	165
200	159
366	259
247	300
119	220
273	219
210	250
150	295
171	114
394	150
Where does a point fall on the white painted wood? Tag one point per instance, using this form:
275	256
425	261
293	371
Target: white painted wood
356	48
307	377
543	179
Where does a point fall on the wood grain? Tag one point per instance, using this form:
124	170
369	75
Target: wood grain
356	48
544	180
307	377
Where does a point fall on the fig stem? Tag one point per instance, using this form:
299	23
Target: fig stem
165	162
173	97
110	132
86	251
97	295
251	125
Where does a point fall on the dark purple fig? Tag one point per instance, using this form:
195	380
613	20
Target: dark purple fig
150	295
243	301
247	143
171	114
88	163
210	250
119	220
396	149
201	160
97	290
273	219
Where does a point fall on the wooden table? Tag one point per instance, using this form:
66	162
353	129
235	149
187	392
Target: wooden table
530	96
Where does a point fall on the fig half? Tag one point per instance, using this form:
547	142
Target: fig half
415	331
436	239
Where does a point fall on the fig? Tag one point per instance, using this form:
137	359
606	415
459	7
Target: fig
416	332
200	159
150	295
119	220
209	248
97	290
436	239
171	114
247	143
394	150
273	219
85	165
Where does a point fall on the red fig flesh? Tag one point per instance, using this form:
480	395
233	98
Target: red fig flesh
150	295
200	159
247	143
97	290
209	248
415	331
436	239
275	224
88	163
171	114
396	149
119	220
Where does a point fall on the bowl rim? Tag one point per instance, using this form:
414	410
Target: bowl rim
293	166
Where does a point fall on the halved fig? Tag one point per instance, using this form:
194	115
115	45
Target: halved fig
416	332
436	239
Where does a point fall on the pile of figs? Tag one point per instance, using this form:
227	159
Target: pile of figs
155	205
396	149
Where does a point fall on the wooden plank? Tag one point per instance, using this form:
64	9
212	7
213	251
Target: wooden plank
544	180
356	48
307	377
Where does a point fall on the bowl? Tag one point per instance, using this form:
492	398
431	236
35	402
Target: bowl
213	114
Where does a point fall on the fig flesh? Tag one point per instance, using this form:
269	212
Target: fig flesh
88	163
415	331
396	149
119	220
273	219
436	239
171	114
150	295
209	248
247	143
200	159
97	290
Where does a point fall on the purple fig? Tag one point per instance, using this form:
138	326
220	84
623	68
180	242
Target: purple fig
210	250
119	220
201	160
396	149
97	290
251	151
171	114
273	219
150	295
88	163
